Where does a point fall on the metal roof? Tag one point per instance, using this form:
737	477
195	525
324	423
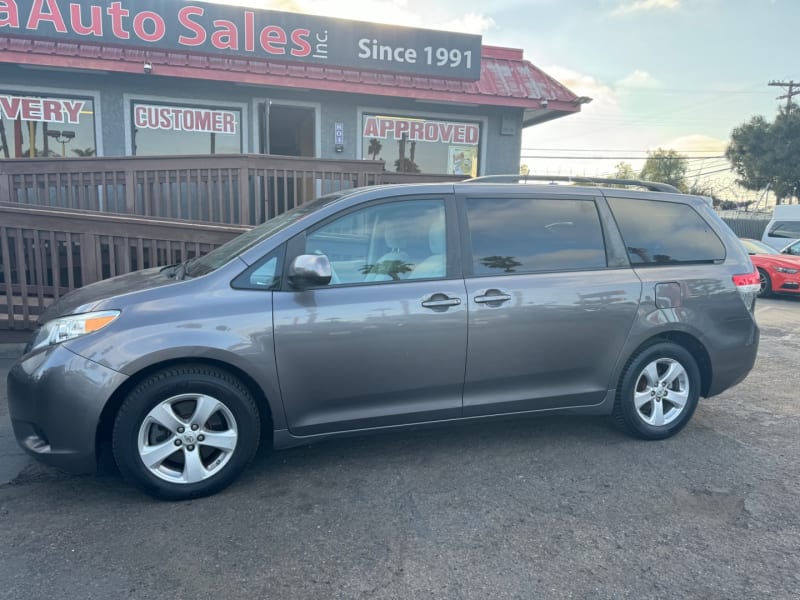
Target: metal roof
507	79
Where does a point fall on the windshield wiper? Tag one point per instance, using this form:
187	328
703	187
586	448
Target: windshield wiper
182	271
178	269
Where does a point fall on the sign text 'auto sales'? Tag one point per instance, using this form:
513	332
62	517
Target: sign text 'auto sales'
240	32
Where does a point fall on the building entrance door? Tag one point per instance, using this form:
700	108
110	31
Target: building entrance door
287	130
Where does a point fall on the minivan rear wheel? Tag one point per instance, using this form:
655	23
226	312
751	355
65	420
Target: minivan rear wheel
186	432
658	392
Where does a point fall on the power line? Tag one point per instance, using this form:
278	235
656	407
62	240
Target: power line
609	150
620	157
710	173
657	115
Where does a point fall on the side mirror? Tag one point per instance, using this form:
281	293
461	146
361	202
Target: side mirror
310	270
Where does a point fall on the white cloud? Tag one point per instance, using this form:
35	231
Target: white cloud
470	23
638	80
697	143
646	5
390	12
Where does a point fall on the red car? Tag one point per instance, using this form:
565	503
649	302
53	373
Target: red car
780	273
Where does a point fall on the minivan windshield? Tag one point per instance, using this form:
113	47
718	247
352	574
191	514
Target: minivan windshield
233	248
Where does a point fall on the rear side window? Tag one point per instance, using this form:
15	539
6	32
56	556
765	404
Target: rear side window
665	233
525	235
786	229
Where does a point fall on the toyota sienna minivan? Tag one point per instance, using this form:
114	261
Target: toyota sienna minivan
389	307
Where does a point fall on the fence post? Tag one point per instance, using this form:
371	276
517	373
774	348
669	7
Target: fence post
90	259
244	194
5	185
130	191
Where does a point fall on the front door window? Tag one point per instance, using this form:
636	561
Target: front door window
385	242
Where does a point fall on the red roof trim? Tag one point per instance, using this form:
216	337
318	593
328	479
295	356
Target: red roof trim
506	78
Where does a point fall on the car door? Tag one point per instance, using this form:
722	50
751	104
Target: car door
549	306
385	343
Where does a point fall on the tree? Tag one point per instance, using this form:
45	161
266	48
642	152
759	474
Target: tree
83	151
624	171
374	148
665	166
768	154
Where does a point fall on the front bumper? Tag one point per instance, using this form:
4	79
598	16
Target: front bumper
55	398
785	283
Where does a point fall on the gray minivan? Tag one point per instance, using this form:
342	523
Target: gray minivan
388	307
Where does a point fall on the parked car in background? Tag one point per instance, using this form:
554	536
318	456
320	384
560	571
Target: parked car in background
793	249
784	228
779	272
390	307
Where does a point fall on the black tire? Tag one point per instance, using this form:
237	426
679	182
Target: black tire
635	381
235	419
766	284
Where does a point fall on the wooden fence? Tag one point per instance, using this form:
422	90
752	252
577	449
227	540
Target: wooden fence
46	252
234	189
65	223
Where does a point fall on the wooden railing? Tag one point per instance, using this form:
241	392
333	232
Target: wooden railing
65	223
234	189
47	252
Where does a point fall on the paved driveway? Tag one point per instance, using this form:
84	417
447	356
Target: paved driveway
542	508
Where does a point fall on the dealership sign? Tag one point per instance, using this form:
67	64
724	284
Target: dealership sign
421	130
44	110
177	118
239	32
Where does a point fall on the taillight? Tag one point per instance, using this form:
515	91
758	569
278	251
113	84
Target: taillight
748	285
750	282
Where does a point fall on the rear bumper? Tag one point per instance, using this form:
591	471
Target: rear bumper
55	399
731	366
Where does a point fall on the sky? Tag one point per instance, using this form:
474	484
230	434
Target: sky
677	74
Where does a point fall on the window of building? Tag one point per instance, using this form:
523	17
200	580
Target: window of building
525	235
33	126
664	233
411	145
387	242
170	129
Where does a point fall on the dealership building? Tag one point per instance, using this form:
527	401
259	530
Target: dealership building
170	78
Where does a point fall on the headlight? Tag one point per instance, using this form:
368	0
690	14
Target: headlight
68	328
785	270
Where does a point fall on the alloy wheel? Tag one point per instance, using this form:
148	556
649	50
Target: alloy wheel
661	392
187	438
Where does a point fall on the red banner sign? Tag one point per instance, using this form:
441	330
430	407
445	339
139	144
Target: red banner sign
177	118
45	110
420	130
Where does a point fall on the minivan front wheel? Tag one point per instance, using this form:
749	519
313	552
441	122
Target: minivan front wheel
658	392
186	432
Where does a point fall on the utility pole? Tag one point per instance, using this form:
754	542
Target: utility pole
792	89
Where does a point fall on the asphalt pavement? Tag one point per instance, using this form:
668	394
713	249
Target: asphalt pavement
553	507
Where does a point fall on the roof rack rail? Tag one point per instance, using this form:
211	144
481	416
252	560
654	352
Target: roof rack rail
650	185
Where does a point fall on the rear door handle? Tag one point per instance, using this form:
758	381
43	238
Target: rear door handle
440	301
492	296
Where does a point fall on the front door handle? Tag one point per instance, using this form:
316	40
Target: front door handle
440	301
492	297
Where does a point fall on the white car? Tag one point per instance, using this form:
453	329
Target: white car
793	248
784	228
